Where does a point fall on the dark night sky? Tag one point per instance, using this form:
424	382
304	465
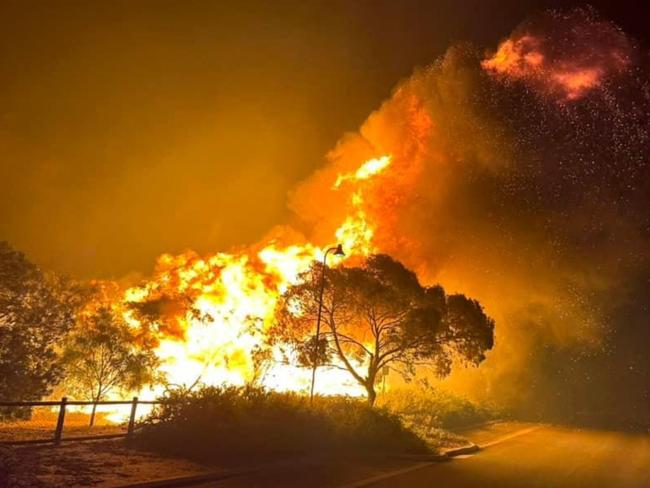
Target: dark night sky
129	129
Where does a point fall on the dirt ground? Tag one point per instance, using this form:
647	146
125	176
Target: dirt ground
102	463
96	463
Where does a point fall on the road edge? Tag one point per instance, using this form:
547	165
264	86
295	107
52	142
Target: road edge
447	454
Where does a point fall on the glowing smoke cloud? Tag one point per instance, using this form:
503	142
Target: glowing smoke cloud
563	54
520	179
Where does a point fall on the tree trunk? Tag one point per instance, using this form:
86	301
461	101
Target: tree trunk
372	394
92	415
96	399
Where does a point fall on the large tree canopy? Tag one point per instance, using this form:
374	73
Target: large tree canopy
378	315
36	311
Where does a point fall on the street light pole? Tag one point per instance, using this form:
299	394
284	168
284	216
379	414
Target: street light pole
338	251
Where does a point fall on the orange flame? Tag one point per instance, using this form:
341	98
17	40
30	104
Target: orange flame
235	295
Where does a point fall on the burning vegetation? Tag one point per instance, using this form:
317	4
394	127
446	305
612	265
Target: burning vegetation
249	317
518	177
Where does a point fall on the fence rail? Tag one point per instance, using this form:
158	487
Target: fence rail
57	437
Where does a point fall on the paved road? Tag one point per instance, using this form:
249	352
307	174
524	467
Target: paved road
544	456
549	457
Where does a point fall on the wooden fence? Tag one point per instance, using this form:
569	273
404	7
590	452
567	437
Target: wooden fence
62	404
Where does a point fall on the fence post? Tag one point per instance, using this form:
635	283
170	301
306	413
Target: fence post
59	423
134	406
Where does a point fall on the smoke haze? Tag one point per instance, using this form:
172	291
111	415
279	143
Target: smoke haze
515	185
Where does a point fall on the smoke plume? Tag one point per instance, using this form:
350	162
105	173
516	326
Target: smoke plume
520	177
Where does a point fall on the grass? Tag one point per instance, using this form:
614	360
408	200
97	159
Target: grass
247	424
437	408
42	423
432	413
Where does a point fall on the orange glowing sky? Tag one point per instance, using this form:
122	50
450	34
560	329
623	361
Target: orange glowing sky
129	130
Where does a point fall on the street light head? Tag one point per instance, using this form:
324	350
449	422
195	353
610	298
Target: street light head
339	250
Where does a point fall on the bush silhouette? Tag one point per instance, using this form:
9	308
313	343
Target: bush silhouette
236	424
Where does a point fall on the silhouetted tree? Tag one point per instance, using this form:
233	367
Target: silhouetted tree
378	315
103	356
36	311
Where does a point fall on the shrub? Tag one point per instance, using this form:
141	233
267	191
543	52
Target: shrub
232	423
435	409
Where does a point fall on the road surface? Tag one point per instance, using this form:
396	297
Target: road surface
549	457
522	457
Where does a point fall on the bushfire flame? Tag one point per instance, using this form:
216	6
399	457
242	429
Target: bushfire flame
235	295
